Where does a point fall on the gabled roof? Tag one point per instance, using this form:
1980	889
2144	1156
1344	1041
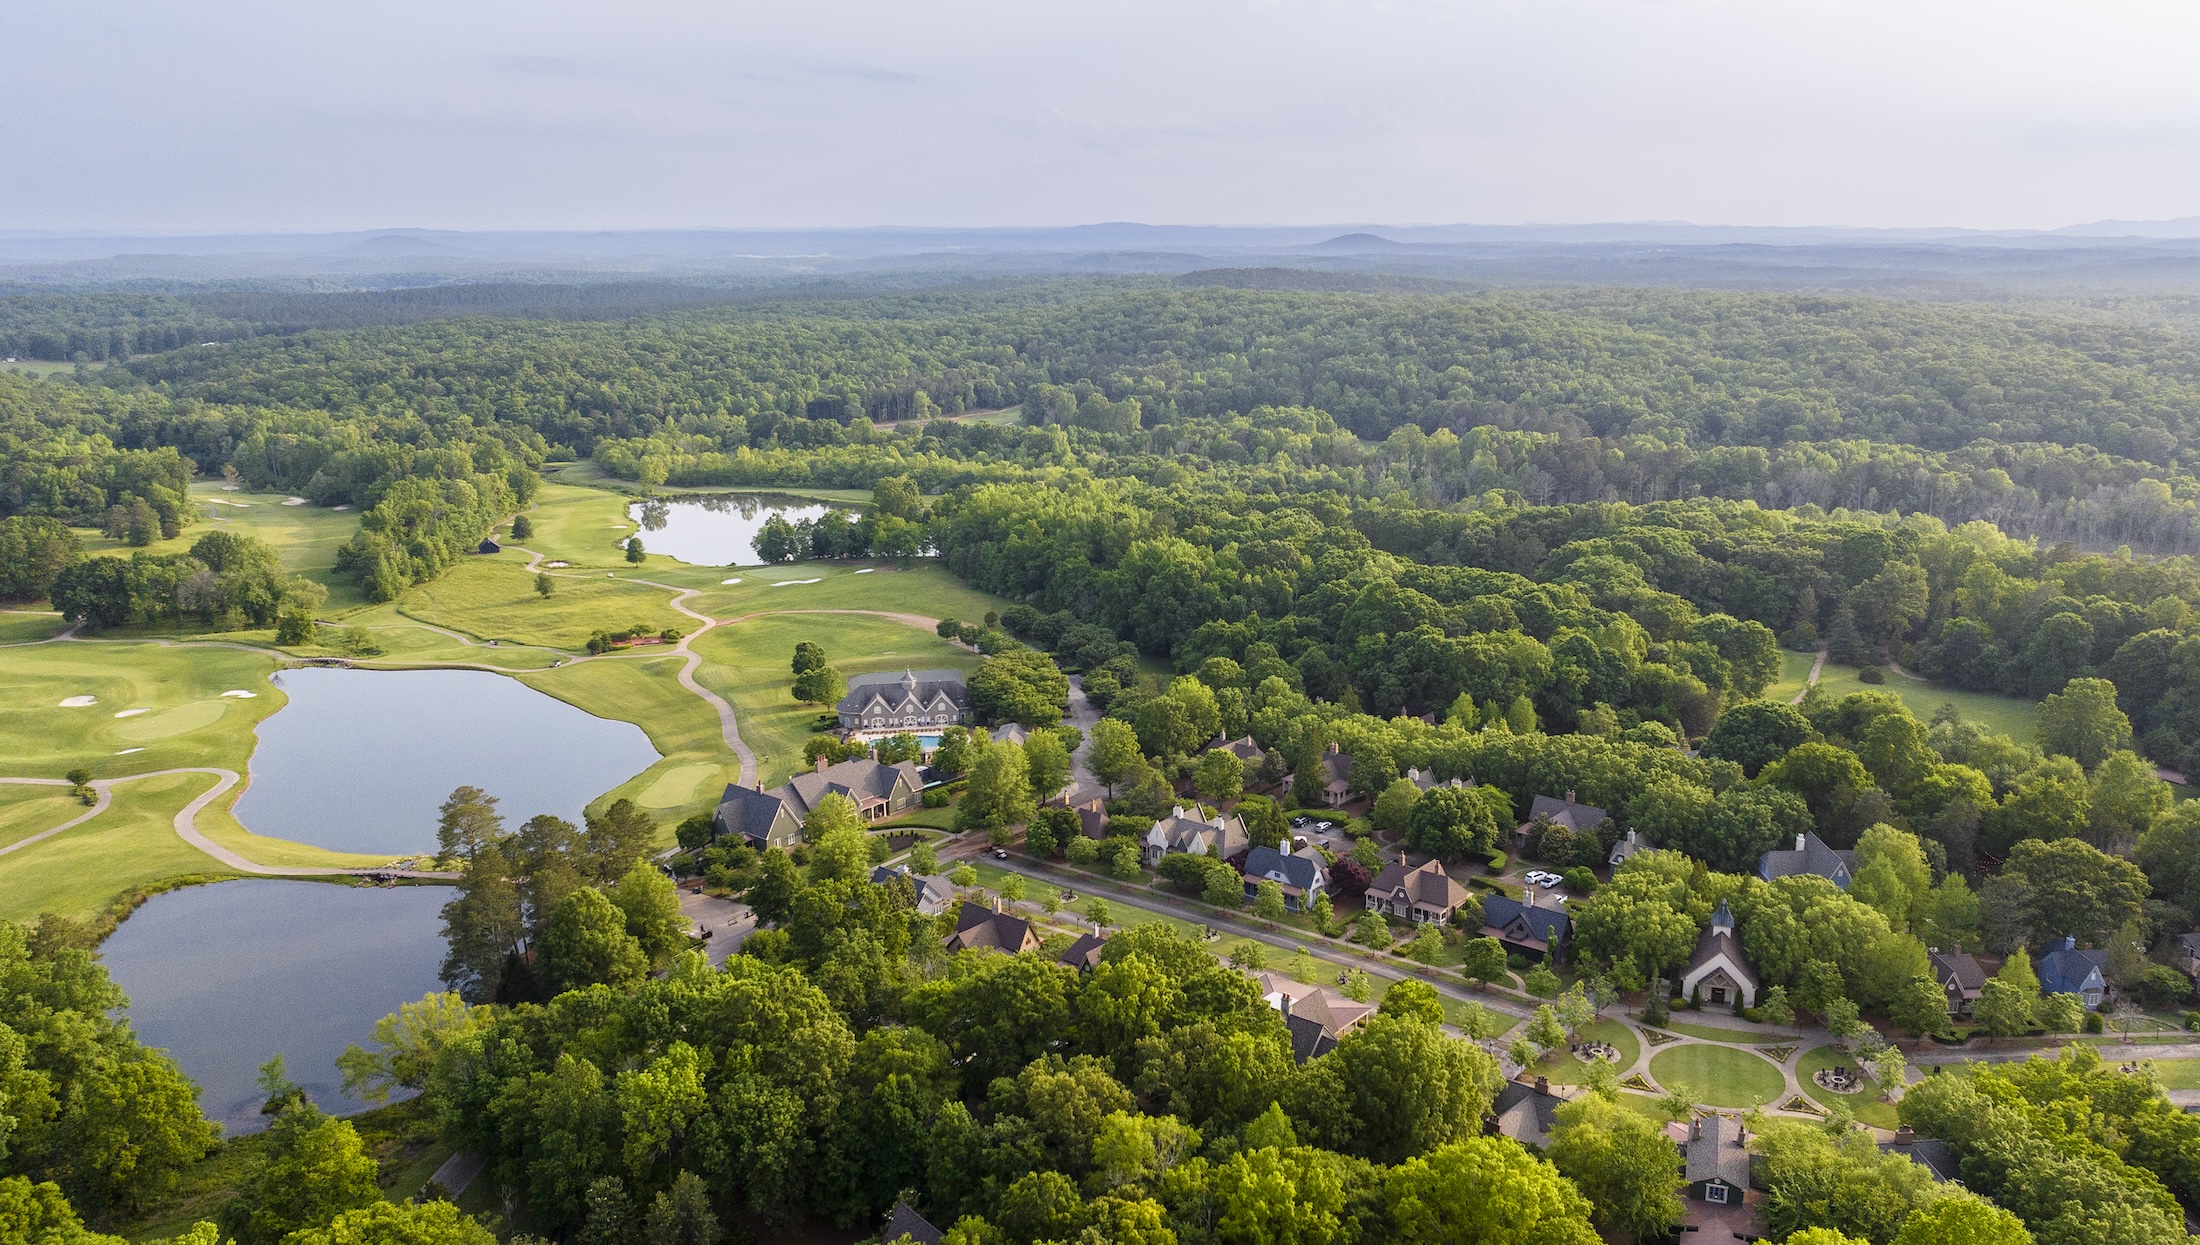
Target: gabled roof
748	812
1300	873
1930	1153
1718	942
1309	1040
1243	749
1565	812
978	927
862	780
1426	780
890	693
1084	954
904	1221
1426	884
1960	969
1629	843
2190	942
1333	1012
1810	856
1221	837
2067	970
1338	767
1547	925
1716	1151
1525	1114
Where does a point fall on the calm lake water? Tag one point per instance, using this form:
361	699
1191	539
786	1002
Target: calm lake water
359	760
716	530
225	977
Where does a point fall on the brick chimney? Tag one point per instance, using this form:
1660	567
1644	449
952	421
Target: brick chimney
1543	1086
820	765
1905	1135
1569	795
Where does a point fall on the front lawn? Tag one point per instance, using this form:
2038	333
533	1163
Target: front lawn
1718	1076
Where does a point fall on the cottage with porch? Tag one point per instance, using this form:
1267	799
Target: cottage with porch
1300	875
2067	970
1579	819
1811	856
1424	894
1961	978
1527	927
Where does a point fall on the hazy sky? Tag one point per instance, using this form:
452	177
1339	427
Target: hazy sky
225	115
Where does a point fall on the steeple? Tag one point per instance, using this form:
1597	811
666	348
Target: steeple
1722	921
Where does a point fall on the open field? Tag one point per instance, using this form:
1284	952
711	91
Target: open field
184	718
1794	676
306	537
2178	1073
25	811
494	598
27	626
582	526
923	589
747	663
1717	1076
2007	714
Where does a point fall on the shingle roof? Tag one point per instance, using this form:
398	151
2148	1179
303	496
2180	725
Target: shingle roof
1930	1153
1243	749
1716	1152
888	693
1629	843
2190	942
2067	970
1084	953
1425	884
1181	831
747	811
1525	1114
861	780
1718	940
904	1221
1309	1040
1810	856
981	928
1961	968
1544	924
1335	1013
1300	873
1565	813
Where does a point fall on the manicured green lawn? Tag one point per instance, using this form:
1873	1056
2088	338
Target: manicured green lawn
1717	1076
922	589
2006	714
2178	1073
1752	1035
684	730
494	598
306	537
24	626
185	720
1794	676
25	811
1563	1069
131	843
747	663
582	526
1864	1104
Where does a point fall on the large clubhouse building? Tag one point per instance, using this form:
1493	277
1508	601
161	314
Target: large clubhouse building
912	701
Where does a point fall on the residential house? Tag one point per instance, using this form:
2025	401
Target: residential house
2067	970
1336	770
1317	1016
889	704
1628	845
1930	1153
1302	875
1221	835
2185	953
1715	1162
1811	856
980	928
774	818
1578	818
1422	894
1011	733
1524	1112
1091	806
1083	954
1717	973
935	892
1243	749
1527	927
1960	977
904	1221
1426	780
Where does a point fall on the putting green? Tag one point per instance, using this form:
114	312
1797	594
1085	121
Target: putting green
1718	1076
676	786
176	721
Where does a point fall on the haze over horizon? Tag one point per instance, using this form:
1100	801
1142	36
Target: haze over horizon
138	118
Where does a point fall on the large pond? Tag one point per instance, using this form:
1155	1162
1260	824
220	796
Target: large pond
359	760
225	977
715	530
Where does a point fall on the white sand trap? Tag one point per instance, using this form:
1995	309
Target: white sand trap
554	565
241	694
131	713
866	570
224	501
736	579
294	501
345	506
127	751
79	702
231	488
789	583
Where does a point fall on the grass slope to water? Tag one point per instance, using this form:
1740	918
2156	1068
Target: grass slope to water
187	720
695	765
747	663
131	844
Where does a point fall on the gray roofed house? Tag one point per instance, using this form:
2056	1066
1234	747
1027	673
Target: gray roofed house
1930	1153
1301	876
1243	749
1316	1016
1578	818
1526	1113
1628	845
774	818
1717	1165
1526	927
1425	893
2067	970
1220	836
903	1221
1426	780
935	892
1718	973
909	701
1811	856
1961	977
2185	953
1336	775
1308	1039
980	928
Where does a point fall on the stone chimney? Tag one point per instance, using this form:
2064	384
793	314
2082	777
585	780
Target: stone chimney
1905	1135
1333	747
1543	1086
820	765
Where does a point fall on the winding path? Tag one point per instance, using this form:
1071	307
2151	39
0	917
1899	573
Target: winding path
187	829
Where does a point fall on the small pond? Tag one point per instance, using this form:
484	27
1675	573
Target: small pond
225	977
718	529
360	760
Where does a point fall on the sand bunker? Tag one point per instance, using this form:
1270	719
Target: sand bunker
131	713
866	570
241	694
789	583
127	751
294	501
736	579
79	702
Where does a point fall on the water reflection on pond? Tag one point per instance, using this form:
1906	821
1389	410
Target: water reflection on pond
225	977
359	760
718	529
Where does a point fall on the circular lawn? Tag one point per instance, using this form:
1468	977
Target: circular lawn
1718	1076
